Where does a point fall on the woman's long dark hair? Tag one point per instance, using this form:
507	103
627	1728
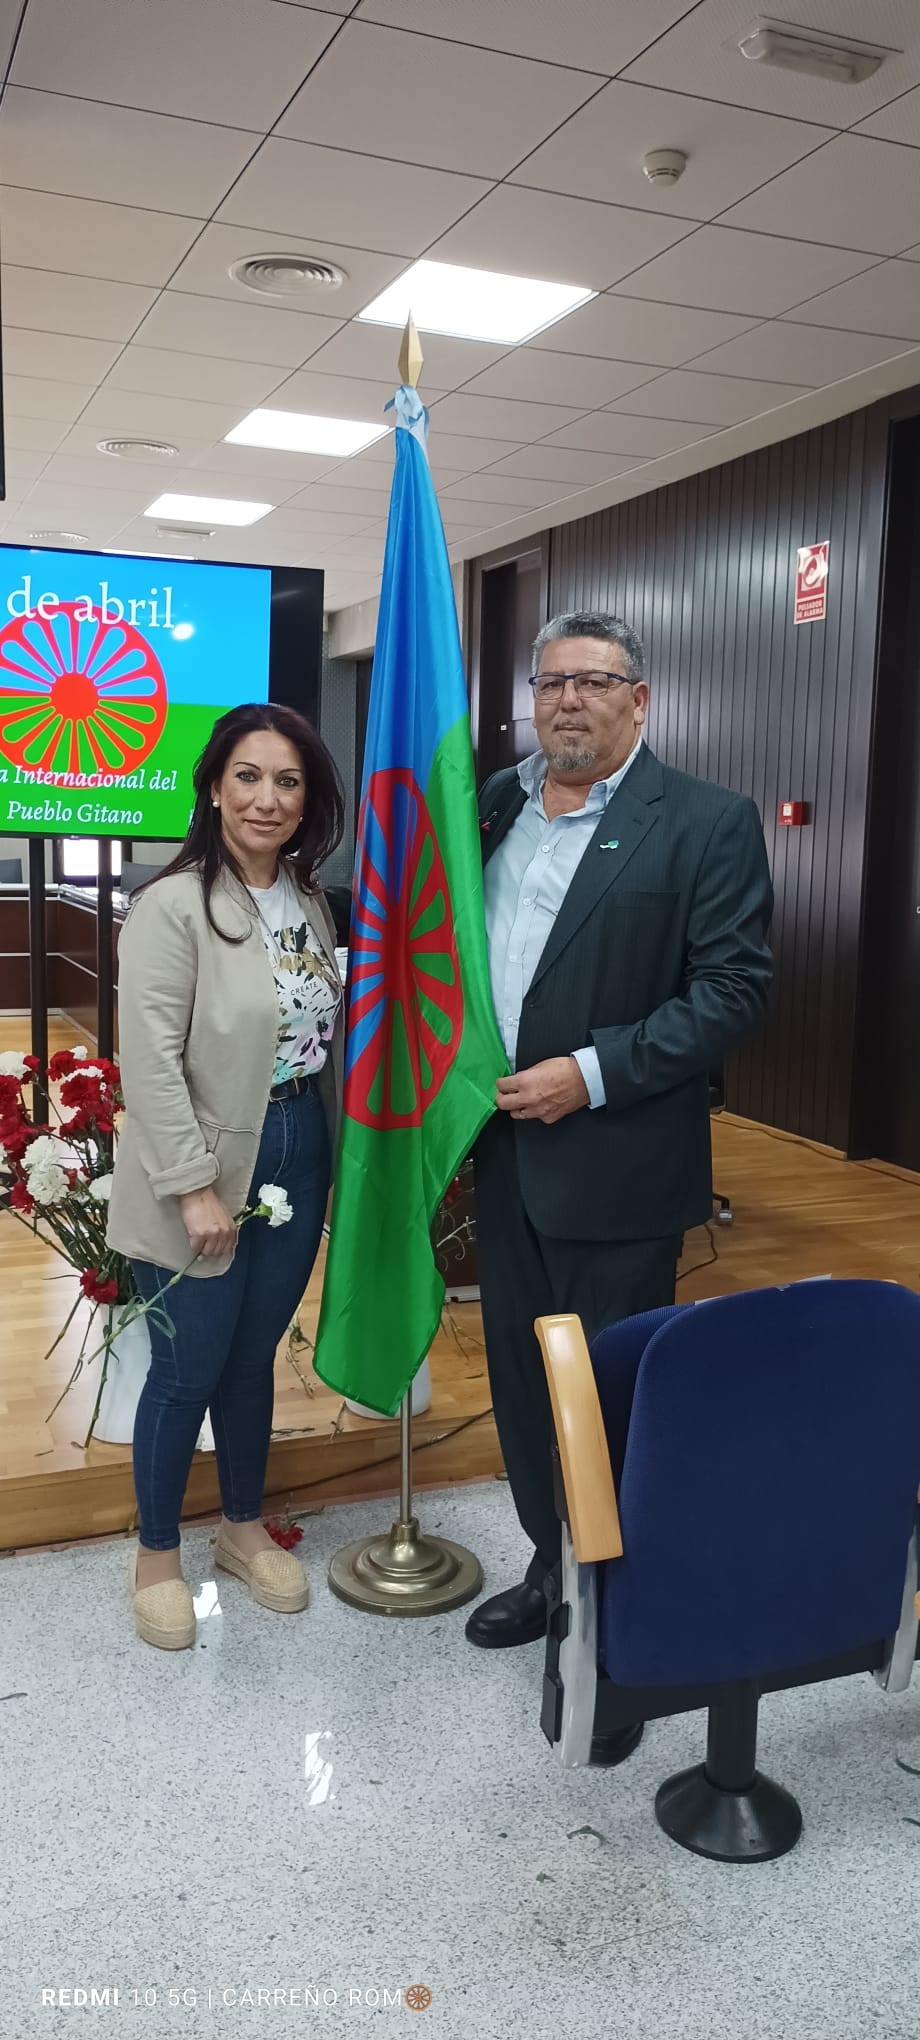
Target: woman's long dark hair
315	838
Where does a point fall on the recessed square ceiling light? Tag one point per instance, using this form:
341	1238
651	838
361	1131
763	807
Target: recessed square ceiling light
208	509
296	432
474	304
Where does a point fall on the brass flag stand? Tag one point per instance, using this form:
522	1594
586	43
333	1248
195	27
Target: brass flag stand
405	1573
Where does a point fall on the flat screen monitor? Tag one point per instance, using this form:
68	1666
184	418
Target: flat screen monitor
114	668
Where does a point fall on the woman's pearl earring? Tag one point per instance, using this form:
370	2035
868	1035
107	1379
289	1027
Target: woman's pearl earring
215	803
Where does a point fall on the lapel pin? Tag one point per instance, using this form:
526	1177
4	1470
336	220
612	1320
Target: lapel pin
613	844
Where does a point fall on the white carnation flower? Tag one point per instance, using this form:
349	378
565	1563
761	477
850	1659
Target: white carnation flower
273	1204
81	1053
47	1151
101	1190
12	1064
47	1184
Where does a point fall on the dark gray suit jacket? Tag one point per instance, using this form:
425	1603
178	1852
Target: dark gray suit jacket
659	958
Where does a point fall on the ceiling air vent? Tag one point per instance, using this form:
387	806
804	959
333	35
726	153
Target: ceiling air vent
55	537
137	449
286	276
185	530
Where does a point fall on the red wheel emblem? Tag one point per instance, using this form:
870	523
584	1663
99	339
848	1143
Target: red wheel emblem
406	1016
78	694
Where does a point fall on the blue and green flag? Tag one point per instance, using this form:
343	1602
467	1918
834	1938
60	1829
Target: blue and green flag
423	1050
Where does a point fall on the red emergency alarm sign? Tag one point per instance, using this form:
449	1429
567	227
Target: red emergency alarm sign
811	583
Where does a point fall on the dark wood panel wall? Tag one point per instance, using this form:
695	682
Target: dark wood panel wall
704	570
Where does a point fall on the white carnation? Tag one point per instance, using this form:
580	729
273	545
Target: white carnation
47	1184
80	1053
101	1190
12	1064
47	1151
273	1202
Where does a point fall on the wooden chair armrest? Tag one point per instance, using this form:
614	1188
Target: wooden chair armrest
594	1519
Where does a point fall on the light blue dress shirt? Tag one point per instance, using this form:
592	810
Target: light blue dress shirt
525	882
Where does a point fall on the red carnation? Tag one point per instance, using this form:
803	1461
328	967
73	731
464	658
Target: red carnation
10	1091
33	1063
63	1064
20	1199
15	1137
285	1534
96	1289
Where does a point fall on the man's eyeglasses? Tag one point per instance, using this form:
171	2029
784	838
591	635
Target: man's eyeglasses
588	686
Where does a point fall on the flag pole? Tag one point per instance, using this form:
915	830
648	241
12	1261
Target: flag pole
405	1573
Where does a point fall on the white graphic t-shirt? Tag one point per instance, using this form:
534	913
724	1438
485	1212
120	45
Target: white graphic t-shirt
307	983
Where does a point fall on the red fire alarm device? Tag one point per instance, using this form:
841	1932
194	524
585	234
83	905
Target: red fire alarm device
793	813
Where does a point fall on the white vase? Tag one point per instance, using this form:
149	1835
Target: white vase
128	1364
421	1396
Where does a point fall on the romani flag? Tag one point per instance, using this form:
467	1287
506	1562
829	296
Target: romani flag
423	1050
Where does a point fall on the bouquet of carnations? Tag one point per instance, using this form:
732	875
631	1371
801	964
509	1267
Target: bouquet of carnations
58	1179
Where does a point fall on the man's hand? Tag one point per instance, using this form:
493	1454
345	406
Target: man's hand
211	1230
549	1091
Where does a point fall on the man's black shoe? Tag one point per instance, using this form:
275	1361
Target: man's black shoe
516	1616
614	1745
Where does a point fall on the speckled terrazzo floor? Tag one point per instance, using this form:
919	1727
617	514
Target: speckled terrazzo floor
340	1804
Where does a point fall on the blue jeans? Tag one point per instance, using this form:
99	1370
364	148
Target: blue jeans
220	1355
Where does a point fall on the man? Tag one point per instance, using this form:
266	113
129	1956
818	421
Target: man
627	909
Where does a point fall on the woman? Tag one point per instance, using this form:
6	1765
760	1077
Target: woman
230	1022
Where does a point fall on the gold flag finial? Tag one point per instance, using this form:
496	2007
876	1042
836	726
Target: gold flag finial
410	355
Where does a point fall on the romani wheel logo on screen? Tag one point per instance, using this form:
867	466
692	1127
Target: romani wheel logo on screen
79	693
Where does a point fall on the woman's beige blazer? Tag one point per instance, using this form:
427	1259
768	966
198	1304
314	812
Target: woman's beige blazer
198	1025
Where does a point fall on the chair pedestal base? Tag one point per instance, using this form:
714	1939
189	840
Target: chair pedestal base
752	1826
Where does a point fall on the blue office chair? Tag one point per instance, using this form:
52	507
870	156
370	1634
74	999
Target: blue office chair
737	1481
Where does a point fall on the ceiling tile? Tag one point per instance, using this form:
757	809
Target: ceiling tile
205	270
646	438
51	302
527	493
357	200
45	230
700	54
235	332
899	122
26	397
373	351
162	58
885	299
122	413
805	354
64	357
542	377
633	329
598	153
78	147
93	470
492	510
323	496
567	240
461	451
707	399
588	33
212	480
335	396
485	416
725	270
205	377
343	476
865	193
318	523
262	466
325	6
441	103
558	464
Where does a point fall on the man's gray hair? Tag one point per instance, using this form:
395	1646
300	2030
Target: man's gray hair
596	623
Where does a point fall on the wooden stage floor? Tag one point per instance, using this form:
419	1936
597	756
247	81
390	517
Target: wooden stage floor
799	1211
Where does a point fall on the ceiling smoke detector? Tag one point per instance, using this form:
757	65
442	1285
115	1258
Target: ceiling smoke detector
663	167
815	56
137	449
55	537
286	276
